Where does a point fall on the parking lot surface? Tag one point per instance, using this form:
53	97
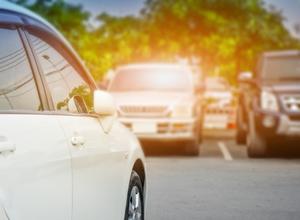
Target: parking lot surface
222	183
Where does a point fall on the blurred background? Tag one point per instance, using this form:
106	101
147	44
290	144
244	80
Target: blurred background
224	37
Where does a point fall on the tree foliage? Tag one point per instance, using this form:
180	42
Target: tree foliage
226	35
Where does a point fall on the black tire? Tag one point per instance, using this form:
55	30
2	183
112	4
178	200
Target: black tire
192	148
257	145
241	134
135	184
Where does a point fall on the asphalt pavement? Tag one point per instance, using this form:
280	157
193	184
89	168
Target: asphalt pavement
222	183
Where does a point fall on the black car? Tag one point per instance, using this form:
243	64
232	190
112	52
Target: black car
269	103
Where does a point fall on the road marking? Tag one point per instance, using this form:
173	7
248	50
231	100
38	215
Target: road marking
225	151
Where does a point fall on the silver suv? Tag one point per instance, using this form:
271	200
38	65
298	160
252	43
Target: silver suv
159	102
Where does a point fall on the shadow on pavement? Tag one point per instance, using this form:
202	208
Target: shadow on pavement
286	149
163	148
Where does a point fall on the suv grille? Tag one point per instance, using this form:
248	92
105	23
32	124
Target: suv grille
153	111
291	103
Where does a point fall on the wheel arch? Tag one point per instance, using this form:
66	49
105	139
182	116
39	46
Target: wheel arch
140	169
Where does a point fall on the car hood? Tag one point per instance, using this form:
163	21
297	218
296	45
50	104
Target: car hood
284	87
152	98
218	94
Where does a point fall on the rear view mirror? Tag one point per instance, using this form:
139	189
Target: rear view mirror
246	77
104	103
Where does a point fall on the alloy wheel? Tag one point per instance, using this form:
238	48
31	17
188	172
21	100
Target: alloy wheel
135	204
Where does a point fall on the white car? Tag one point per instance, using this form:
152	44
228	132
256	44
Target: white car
159	102
220	109
63	153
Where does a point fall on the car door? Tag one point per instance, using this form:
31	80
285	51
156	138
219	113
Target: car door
98	157
35	163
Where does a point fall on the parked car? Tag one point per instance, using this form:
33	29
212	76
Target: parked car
63	153
159	102
220	105
269	103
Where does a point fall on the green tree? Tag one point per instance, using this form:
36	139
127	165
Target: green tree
70	19
227	35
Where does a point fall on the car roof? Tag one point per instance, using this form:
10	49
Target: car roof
282	53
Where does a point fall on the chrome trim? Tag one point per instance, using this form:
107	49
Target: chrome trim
143	111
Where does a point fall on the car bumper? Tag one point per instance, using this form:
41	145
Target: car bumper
219	117
277	124
162	129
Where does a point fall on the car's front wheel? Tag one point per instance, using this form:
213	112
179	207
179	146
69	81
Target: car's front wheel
135	199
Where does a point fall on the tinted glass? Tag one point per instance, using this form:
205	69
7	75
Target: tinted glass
152	79
63	80
217	84
17	86
281	68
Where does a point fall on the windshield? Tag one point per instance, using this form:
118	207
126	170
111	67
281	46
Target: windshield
152	79
217	84
282	68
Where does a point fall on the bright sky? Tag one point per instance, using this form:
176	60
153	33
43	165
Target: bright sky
290	8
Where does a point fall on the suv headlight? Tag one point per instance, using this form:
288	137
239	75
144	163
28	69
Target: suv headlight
183	111
268	101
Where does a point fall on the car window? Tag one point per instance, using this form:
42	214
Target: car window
64	82
171	79
18	90
282	68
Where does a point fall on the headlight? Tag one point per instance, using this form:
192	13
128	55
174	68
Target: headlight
268	101
183	111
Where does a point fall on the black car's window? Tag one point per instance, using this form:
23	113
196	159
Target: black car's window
62	78
282	68
18	90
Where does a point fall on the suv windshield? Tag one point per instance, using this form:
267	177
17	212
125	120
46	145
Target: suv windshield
217	84
152	79
282	68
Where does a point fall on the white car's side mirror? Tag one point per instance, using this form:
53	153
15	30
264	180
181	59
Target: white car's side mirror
104	104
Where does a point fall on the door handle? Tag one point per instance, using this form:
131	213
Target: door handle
6	146
77	141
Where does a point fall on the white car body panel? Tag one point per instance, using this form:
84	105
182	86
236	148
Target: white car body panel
99	168
46	172
48	178
37	176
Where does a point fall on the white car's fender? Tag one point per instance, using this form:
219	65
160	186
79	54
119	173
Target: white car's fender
135	156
